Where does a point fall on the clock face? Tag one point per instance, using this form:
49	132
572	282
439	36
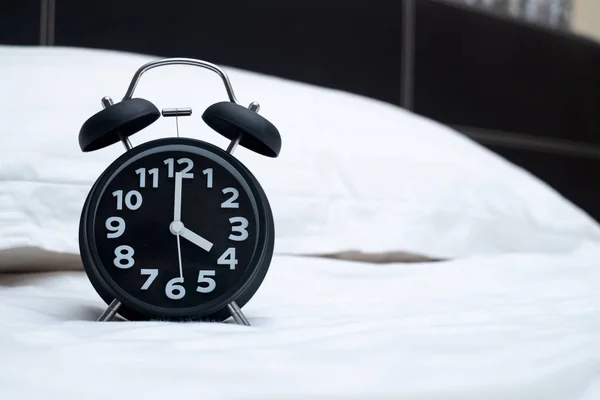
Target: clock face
176	229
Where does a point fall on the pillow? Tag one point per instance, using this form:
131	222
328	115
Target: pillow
354	174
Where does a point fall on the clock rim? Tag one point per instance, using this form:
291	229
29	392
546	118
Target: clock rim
252	278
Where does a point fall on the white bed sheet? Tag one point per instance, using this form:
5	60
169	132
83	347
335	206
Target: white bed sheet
515	326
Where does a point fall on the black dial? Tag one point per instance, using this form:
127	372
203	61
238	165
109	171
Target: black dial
176	228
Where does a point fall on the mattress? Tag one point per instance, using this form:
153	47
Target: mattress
409	261
516	326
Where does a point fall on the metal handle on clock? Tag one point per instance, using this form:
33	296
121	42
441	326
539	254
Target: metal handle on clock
180	61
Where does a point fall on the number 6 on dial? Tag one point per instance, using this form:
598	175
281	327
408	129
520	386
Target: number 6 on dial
174	289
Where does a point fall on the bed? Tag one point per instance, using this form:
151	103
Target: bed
411	261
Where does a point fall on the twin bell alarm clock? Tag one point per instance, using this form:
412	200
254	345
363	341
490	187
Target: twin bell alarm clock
177	229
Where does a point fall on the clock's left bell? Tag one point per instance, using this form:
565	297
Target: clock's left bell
116	122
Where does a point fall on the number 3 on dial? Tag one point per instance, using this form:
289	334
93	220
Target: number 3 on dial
241	229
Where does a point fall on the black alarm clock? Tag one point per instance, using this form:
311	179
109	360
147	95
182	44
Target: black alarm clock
177	229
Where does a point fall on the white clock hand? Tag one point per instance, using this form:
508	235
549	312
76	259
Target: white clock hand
195	238
177	218
179	256
177	207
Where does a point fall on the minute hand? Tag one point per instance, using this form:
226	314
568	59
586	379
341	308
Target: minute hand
177	202
195	238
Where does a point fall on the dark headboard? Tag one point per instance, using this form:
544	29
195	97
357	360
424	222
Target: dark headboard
527	92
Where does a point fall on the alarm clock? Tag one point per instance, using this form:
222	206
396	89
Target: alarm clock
177	229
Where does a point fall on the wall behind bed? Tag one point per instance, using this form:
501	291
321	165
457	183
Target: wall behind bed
524	90
527	92
20	22
322	42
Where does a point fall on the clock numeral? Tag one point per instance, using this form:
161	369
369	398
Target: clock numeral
209	177
116	226
205	277
230	202
228	258
152	172
185	173
152	274
174	289
133	199
241	229
124	257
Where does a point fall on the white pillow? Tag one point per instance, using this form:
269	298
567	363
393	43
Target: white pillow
353	174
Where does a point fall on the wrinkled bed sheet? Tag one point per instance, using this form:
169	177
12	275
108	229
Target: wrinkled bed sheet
520	326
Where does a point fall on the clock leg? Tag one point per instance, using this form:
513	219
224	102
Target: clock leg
110	311
237	314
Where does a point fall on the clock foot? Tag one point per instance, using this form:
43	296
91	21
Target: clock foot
237	314
110	311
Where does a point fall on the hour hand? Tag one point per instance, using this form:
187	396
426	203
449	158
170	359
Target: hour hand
195	238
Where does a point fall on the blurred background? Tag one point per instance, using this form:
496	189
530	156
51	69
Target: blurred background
578	15
520	77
